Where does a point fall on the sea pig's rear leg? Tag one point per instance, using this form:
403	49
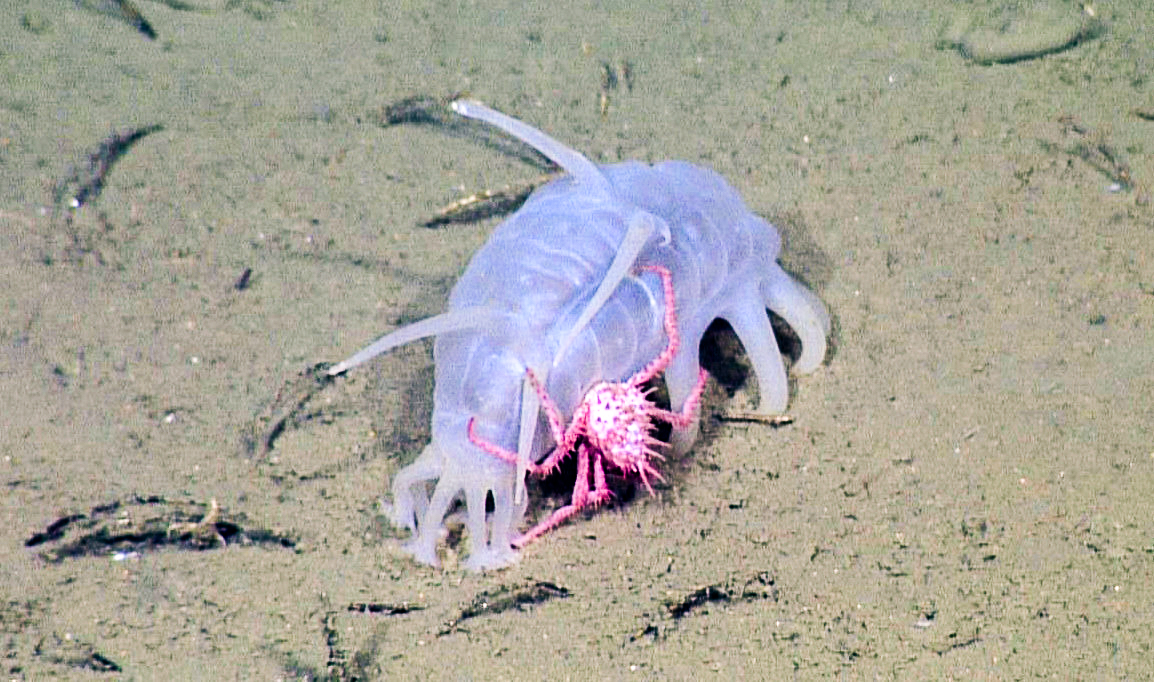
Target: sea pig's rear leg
502	528
751	324
410	488
490	535
423	544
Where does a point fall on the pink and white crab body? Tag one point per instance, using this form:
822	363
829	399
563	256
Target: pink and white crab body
613	424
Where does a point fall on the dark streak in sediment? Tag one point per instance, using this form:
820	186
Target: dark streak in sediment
244	280
383	608
761	586
505	599
88	179
126	11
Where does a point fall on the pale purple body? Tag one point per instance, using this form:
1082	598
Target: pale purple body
540	267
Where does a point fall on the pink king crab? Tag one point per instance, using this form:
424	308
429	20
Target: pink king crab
613	424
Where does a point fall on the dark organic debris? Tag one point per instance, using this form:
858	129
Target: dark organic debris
244	280
101	663
611	76
1037	30
417	109
114	529
288	408
956	643
85	182
487	203
386	609
696	599
505	599
357	664
761	586
1096	149
338	658
126	11
74	653
54	531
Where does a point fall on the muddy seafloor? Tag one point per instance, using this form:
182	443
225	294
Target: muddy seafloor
965	490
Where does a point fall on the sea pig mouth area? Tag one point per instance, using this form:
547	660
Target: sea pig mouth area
558	485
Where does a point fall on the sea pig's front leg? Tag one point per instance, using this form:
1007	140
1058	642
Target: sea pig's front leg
410	489
491	535
475	479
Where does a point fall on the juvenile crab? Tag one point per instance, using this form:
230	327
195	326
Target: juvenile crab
613	423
